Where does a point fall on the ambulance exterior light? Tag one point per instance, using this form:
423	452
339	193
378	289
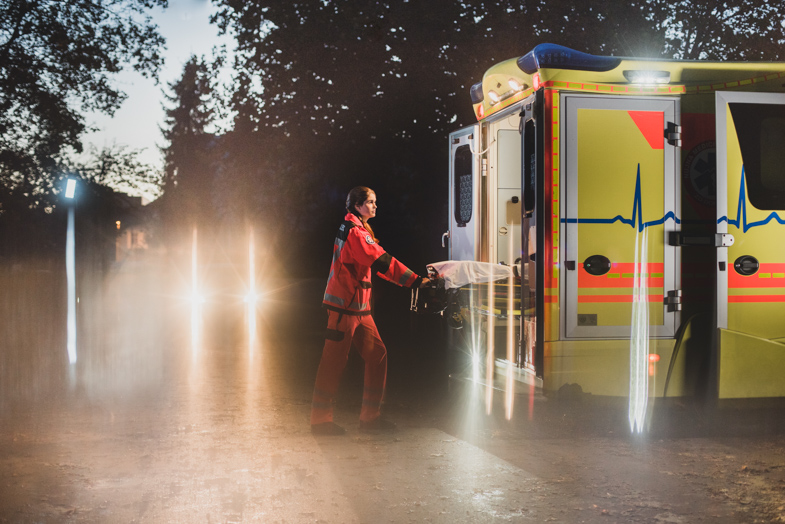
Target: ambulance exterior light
494	96
552	56
647	77
476	93
514	85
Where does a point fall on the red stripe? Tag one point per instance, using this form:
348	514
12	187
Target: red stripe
737	281
614	298
585	280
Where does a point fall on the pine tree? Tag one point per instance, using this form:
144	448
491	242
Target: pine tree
189	167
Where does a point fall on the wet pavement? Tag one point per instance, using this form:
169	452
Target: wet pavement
163	427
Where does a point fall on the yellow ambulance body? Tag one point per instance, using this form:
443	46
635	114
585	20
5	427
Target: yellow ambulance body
644	201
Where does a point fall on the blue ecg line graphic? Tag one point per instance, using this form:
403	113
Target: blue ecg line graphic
636	222
741	212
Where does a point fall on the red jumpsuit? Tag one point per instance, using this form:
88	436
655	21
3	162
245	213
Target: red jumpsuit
348	300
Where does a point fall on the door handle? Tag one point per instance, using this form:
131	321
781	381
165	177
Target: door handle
444	236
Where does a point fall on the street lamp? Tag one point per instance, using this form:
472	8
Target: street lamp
70	271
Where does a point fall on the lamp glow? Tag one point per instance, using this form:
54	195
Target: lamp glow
70	188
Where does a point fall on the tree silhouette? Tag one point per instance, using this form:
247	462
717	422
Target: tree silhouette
189	166
56	59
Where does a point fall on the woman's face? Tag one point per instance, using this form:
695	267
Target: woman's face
368	208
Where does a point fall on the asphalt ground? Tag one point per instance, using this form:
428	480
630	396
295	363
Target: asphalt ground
160	423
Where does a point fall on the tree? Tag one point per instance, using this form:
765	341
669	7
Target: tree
120	168
189	167
722	29
366	91
56	61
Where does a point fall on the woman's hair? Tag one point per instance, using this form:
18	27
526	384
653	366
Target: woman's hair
357	197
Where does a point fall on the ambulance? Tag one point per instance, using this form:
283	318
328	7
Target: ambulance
640	207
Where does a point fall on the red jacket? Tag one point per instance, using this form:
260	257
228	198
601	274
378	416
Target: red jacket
355	256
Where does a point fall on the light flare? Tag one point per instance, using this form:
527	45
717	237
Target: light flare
196	299
251	297
70	274
509	397
489	351
639	339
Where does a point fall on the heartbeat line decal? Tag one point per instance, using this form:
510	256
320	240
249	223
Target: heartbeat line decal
636	222
741	212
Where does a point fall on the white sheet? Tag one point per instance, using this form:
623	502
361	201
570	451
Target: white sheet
457	273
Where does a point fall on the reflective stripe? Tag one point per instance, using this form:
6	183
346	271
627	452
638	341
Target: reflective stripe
333	299
406	276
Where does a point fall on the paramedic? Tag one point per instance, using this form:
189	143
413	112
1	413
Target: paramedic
356	255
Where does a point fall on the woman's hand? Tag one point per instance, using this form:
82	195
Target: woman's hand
425	282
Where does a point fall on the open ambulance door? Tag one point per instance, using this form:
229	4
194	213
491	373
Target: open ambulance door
464	198
532	234
618	206
751	256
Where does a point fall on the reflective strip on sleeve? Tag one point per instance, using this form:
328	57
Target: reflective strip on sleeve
406	276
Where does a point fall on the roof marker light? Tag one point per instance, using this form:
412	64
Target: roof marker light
647	77
494	96
515	85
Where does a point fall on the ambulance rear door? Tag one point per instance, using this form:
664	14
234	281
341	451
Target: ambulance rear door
464	198
751	244
618	205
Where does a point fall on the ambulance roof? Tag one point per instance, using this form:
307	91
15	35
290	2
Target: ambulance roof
557	67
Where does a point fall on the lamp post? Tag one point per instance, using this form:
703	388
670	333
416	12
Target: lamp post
70	271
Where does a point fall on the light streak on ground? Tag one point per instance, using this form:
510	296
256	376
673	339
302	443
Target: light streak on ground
252	298
70	273
639	339
489	351
510	385
196	300
474	338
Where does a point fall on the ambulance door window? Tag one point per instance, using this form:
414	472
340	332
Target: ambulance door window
463	185
463	196
761	132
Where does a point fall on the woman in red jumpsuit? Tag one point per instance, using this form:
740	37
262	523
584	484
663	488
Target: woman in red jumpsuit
356	256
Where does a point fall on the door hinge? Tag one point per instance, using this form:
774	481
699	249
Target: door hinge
673	134
673	300
484	166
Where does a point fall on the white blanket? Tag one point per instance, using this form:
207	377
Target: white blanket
457	273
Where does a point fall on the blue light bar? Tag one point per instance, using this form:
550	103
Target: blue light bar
560	57
476	93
